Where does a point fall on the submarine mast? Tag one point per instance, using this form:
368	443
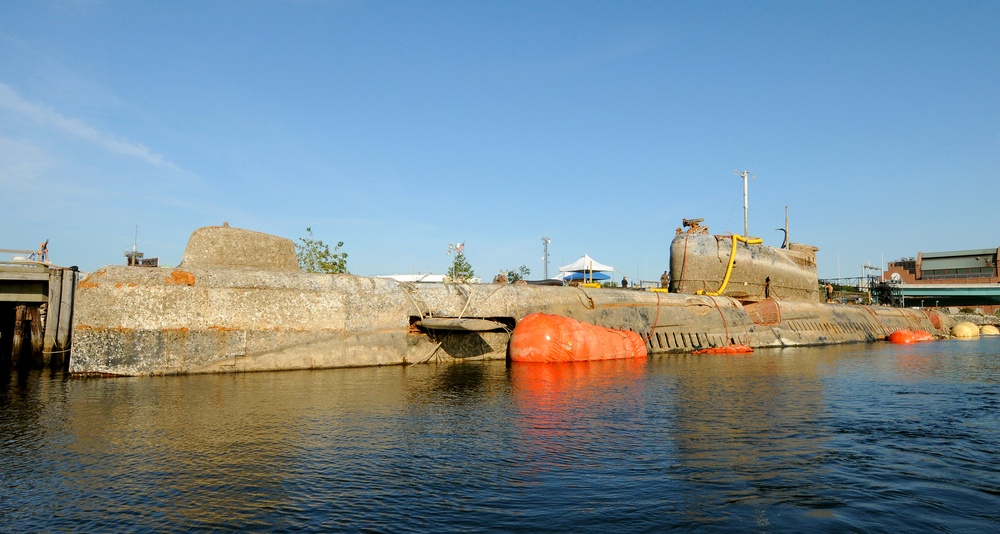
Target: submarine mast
746	216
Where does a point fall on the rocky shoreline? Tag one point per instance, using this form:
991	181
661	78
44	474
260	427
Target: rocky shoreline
975	318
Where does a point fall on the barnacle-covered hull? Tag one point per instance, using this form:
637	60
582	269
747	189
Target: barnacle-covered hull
239	303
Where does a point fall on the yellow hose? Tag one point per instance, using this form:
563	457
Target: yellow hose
732	261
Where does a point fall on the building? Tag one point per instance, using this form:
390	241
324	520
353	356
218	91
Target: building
961	278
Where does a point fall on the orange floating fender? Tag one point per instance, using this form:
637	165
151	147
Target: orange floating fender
542	337
910	336
922	335
901	336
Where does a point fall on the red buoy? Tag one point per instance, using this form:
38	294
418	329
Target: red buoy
910	336
923	335
541	337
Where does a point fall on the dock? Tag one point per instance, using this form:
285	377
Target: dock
36	312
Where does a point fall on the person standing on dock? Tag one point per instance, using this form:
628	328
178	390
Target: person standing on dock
624	282
43	252
664	280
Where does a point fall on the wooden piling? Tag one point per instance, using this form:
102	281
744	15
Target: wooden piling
41	297
59	317
18	334
27	335
33	316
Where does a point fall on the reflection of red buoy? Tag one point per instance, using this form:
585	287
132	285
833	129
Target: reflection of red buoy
729	349
910	336
541	337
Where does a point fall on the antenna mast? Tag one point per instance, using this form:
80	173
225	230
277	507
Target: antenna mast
746	215
545	258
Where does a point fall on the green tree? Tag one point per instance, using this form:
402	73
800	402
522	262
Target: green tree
521	273
460	270
315	256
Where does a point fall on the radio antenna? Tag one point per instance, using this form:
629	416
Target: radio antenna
746	216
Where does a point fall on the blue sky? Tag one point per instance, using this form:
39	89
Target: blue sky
401	127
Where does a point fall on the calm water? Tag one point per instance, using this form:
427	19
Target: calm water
876	438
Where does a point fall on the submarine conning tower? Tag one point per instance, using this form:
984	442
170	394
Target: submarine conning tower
741	267
237	248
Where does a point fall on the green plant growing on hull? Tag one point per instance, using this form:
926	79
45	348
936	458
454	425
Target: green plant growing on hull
521	273
315	256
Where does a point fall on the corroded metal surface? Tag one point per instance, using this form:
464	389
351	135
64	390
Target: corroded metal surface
806	323
165	321
209	317
238	248
698	262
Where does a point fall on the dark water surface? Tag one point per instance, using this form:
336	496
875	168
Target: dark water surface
874	438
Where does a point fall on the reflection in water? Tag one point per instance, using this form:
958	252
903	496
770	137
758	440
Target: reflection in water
746	426
569	411
210	451
865	437
593	444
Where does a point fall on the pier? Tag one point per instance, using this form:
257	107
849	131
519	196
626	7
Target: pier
36	311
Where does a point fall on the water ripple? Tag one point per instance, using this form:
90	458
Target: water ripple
873	438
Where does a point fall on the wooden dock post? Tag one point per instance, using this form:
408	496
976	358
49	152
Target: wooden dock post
59	317
40	297
18	333
33	317
27	334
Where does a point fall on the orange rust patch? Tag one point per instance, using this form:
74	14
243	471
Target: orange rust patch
103	328
935	318
182	330
181	278
86	283
222	328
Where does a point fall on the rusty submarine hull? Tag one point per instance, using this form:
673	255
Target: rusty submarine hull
238	302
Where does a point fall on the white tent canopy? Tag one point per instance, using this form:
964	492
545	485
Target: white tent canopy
571	276
586	264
